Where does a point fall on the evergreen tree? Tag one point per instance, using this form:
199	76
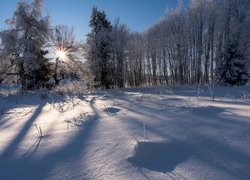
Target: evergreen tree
98	48
23	44
232	69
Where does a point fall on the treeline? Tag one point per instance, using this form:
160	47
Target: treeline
205	42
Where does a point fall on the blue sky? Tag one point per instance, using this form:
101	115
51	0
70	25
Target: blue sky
137	14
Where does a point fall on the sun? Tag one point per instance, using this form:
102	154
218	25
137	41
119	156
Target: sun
61	54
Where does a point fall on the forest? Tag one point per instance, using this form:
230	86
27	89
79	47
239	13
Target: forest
204	43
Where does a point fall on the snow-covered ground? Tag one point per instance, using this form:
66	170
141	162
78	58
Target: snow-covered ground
139	133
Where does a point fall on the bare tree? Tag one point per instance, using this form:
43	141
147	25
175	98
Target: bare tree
120	37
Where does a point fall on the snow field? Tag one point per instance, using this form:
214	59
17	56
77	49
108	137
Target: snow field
137	133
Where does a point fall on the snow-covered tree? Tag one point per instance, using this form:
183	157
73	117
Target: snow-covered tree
23	45
232	69
98	49
186	46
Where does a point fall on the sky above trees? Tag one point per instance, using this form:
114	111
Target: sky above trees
136	14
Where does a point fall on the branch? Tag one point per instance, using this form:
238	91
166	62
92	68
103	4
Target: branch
68	65
10	66
13	74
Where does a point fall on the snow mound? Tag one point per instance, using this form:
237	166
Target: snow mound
160	156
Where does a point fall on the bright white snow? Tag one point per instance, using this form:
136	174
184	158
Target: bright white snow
139	133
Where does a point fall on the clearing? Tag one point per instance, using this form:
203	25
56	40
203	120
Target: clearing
137	133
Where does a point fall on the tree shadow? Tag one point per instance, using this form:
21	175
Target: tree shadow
209	152
19	100
30	167
9	150
200	144
207	111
